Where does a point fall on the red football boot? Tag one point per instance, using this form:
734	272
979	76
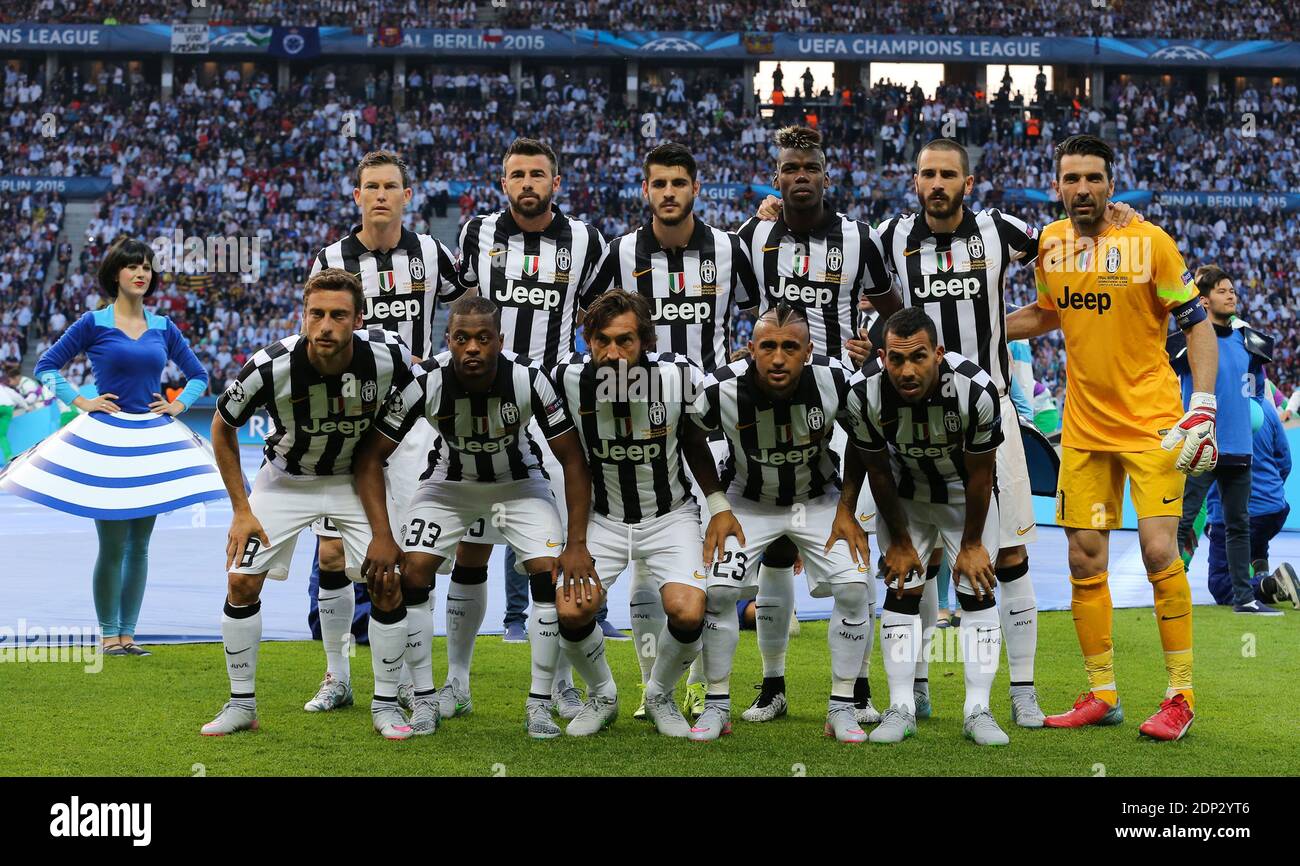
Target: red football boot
1088	710
1171	721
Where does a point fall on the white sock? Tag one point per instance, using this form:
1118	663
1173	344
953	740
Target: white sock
772	611
721	635
648	619
419	645
588	658
544	641
929	624
900	642
337	608
1018	615
466	604
241	638
387	651
696	676
981	649
847	636
673	658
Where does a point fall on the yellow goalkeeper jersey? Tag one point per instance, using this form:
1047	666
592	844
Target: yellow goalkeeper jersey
1113	294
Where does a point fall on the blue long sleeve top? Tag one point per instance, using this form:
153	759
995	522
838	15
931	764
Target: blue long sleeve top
131	369
1269	469
1239	374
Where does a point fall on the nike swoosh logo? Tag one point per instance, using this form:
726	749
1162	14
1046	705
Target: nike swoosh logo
640	603
237	652
698	576
586	411
296	400
1167	501
765	606
911	252
550	543
1019	612
771	249
1180	616
393	659
864	517
1026	529
458	598
848	624
746	426
636	274
544	622
497	252
412	634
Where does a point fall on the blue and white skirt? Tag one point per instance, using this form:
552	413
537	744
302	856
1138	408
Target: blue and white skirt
117	467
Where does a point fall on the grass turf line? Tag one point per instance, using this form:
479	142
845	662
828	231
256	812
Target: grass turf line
141	716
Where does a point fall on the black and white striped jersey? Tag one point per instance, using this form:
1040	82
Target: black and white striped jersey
823	273
959	279
780	448
317	420
629	418
927	440
534	277
482	435
402	285
690	289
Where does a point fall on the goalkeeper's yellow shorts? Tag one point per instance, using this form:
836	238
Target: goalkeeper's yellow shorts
1090	488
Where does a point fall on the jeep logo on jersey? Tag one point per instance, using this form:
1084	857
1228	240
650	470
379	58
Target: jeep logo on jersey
509	414
400	310
606	450
473	446
815	418
807	296
521	295
344	428
658	414
562	260
417	268
961	288
775	457
1112	260
708	271
951	422
923	450
834	258
1099	301
975	247
802	264
666	310
387	281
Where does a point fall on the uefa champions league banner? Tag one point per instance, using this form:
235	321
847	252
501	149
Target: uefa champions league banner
302	42
68	187
1286	202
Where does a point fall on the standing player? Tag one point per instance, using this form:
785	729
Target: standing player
403	276
821	263
777	408
925	426
1111	291
531	260
630	404
323	389
485	466
690	273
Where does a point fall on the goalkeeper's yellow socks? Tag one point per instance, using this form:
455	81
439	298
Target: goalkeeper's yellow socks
1090	602
1173	599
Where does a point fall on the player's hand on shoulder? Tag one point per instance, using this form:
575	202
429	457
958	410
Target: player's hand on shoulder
859	350
770	209
1122	213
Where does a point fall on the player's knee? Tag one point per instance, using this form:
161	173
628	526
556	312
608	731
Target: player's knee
244	589
419	570
473	555
850	597
469	575
1010	557
540	587
722	598
1156	556
330	555
415	595
685	610
780	553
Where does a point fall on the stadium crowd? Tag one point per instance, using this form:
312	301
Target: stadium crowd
238	159
1217	19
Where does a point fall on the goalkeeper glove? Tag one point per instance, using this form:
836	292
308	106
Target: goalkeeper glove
1200	450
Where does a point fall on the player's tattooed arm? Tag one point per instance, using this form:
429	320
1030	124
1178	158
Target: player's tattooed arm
1030	321
383	554
244	525
973	561
845	525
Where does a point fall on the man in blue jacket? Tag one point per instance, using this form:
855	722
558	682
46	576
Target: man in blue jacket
1242	354
1270	466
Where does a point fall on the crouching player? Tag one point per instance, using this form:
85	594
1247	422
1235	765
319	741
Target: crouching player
631	405
485	465
777	409
323	389
926	426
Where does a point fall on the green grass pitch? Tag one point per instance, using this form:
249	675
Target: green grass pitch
141	716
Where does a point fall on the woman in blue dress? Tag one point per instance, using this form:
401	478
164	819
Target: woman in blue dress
126	460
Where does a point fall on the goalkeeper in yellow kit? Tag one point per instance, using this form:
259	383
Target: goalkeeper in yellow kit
1111	291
